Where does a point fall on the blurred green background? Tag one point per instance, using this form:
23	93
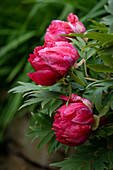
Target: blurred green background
22	28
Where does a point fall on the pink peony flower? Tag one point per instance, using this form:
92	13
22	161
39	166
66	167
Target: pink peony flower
51	62
58	27
73	122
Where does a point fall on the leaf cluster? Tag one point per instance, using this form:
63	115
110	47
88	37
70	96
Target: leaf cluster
94	156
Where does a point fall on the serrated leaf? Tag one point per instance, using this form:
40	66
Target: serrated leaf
100	68
86	149
109	8
97	165
101	133
37	132
43	119
109	130
46	139
82	156
45	102
55	106
101	37
108	19
30	102
86	167
52	145
69	164
25	87
101	160
76	78
100	26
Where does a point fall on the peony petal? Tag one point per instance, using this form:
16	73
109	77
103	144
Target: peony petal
44	77
83	115
72	18
60	57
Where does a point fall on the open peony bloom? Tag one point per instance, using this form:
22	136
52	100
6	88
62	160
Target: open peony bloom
58	27
73	122
51	62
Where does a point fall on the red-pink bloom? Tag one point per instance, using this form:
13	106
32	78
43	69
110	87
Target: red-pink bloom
58	27
51	62
73	122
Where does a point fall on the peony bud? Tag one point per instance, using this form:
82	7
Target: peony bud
58	27
73	122
51	62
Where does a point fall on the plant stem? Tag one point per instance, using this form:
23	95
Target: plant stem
90	79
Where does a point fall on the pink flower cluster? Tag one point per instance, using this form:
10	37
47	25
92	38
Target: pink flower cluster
52	61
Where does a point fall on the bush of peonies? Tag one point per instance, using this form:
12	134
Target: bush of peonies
73	123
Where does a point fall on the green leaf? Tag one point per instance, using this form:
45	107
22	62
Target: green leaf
69	164
46	139
90	53
53	145
108	59
25	87
109	8
43	119
111	104
54	106
104	111
111	28
99	165
108	19
97	98
106	51
76	78
101	37
101	133
81	76
86	167
82	156
45	102
109	130
37	132
10	110
30	102
100	68
100	26
102	158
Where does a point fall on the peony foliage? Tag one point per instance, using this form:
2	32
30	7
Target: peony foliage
73	96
